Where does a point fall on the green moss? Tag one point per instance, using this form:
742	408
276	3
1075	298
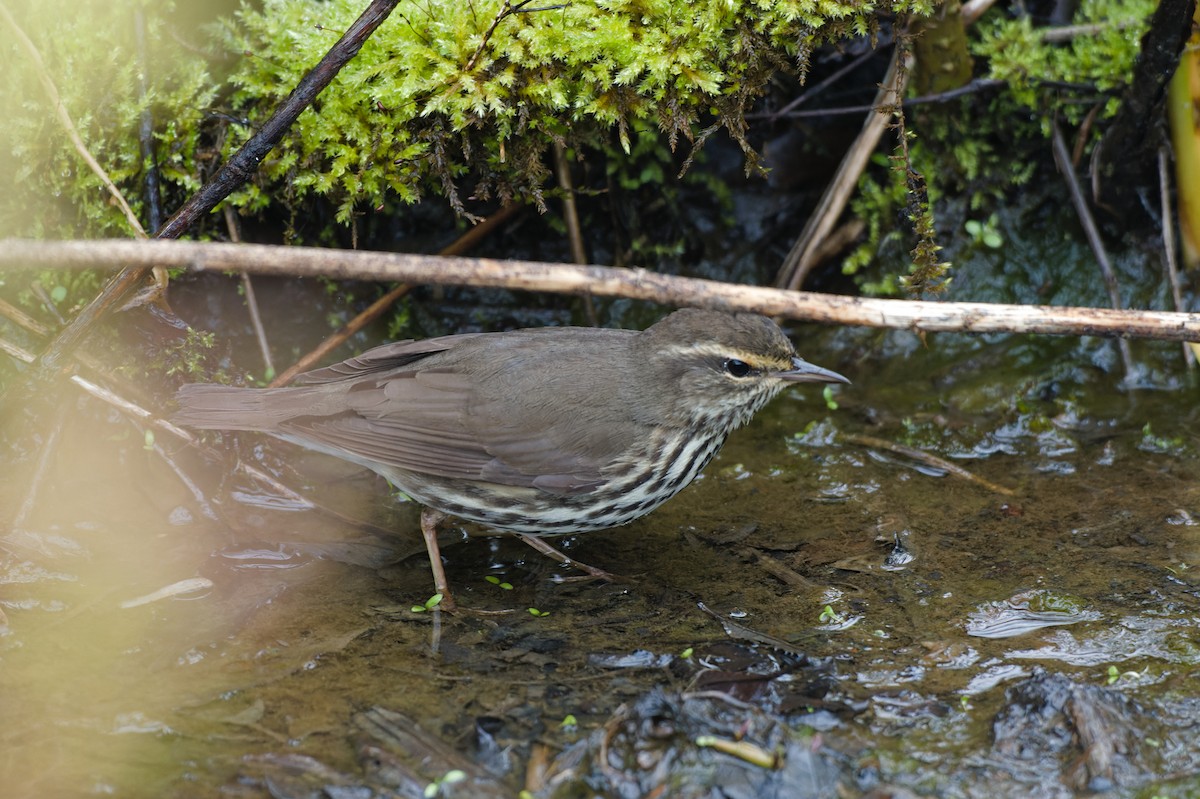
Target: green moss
89	52
433	101
1100	57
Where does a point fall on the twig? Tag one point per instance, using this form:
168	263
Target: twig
23	319
506	10
820	87
1063	158
1065	33
974	9
740	632
461	244
926	458
467	241
976	85
48	448
235	172
139	413
40	291
314	356
1168	234
800	260
639	284
777	569
64	118
197	493
260	332
562	171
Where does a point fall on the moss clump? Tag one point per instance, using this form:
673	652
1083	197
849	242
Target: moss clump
444	95
90	52
1098	56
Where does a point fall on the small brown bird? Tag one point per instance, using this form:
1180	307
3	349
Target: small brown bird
536	432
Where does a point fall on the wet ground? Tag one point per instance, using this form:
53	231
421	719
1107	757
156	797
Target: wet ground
821	614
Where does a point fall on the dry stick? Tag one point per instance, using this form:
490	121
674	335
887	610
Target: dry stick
972	10
854	64
23	319
800	260
925	457
314	356
1063	159
145	416
48	447
604	281
1168	234
47	301
260	333
571	216
197	493
377	308
235	172
65	119
974	87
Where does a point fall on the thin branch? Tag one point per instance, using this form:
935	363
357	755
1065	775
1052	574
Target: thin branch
49	448
64	117
1168	234
138	413
1063	158
972	10
562	171
461	244
872	442
800	259
917	315
233	174
808	94
260	332
318	353
506	10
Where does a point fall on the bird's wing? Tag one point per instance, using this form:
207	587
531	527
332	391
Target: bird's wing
422	421
385	358
460	407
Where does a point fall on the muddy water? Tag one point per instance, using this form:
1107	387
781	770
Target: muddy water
887	624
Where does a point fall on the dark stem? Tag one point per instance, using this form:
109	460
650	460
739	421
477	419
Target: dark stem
146	127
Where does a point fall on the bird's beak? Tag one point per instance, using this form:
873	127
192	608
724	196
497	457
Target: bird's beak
804	372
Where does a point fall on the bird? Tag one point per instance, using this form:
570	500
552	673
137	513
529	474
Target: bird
535	432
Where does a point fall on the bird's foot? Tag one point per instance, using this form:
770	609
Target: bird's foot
589	572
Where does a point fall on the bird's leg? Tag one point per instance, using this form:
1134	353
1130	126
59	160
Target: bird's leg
592	572
430	519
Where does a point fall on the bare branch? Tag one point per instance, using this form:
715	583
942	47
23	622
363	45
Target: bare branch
960	317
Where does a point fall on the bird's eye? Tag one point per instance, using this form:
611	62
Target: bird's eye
737	368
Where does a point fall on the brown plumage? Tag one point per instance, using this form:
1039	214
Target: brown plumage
543	432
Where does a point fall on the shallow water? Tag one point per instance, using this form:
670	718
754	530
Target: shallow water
908	628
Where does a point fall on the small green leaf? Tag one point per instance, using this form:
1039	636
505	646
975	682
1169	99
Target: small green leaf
430	604
830	402
58	293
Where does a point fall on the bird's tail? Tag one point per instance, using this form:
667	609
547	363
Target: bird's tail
207	406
